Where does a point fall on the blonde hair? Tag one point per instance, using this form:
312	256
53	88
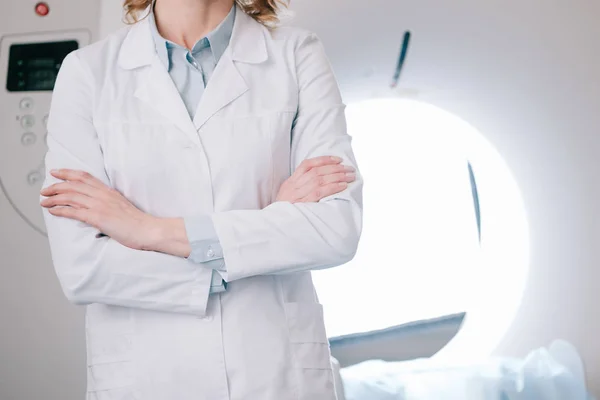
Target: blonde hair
263	11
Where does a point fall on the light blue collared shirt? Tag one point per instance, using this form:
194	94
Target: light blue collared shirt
190	72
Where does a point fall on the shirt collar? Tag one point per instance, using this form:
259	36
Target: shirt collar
218	39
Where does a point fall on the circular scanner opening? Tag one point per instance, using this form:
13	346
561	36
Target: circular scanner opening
444	229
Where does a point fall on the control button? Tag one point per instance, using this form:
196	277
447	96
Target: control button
28	139
27	121
45	120
34	177
42	9
26	104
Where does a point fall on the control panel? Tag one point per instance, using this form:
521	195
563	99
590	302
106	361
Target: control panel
29	65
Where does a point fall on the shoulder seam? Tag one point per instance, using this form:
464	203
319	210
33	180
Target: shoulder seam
87	74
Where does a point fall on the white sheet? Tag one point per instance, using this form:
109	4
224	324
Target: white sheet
555	373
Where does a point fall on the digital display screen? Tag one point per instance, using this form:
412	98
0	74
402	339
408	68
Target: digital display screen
34	66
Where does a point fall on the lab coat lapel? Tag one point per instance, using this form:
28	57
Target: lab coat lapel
153	84
225	85
247	45
157	90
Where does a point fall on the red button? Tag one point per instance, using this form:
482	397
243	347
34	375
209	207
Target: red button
42	9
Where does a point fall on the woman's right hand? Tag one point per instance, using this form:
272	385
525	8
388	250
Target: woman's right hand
316	178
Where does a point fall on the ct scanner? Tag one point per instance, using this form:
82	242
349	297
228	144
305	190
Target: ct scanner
523	74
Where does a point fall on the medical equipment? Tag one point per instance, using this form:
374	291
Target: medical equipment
34	39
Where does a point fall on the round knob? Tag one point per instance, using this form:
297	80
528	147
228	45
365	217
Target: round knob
34	177
28	139
27	121
26	104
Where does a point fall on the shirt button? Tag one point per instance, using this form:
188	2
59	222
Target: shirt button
210	253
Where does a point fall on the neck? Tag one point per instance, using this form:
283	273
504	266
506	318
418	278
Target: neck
186	21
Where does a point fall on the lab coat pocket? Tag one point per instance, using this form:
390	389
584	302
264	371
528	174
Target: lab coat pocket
248	157
109	353
110	376
308	339
110	364
113	394
149	163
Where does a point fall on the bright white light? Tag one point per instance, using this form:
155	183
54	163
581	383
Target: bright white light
419	255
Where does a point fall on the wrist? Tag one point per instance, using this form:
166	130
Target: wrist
153	232
167	235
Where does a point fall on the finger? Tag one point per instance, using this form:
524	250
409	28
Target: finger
324	191
68	187
314	173
82	215
333	169
314	162
75	200
77	176
341	177
317	181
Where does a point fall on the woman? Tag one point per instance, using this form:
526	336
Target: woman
199	168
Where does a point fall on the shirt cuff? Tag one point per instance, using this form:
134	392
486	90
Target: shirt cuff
218	285
204	242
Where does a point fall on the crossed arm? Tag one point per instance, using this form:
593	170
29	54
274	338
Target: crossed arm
284	237
82	197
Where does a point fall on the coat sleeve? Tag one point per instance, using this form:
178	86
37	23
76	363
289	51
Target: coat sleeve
285	237
93	269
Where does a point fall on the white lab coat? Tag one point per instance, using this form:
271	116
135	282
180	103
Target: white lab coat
153	331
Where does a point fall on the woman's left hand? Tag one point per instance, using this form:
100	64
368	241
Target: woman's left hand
84	198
